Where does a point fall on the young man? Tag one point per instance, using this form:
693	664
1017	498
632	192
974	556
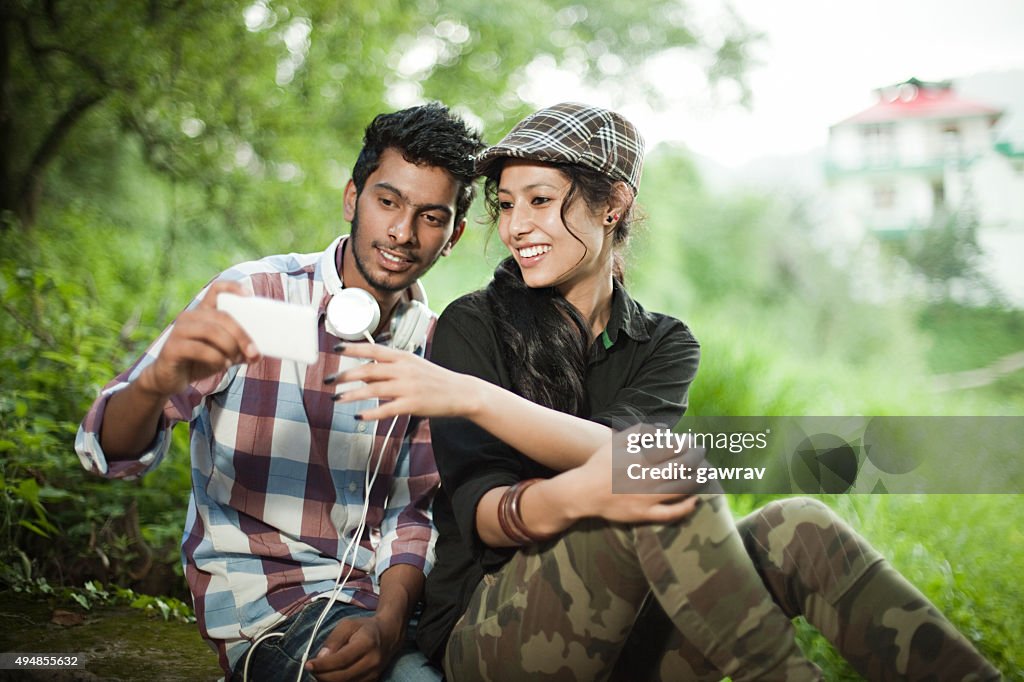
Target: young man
279	467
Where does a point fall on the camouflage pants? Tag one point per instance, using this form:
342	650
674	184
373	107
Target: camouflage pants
701	599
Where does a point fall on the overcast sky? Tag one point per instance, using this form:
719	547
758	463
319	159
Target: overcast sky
819	64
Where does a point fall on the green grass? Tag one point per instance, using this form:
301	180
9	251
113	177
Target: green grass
968	338
964	552
965	338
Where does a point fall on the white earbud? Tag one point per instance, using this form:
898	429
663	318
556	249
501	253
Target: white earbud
353	314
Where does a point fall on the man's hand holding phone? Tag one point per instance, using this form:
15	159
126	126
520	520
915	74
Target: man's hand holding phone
278	329
203	342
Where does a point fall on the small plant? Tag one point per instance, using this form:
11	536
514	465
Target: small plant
94	594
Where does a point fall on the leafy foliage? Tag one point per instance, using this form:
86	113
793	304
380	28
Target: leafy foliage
93	594
63	343
247	101
946	254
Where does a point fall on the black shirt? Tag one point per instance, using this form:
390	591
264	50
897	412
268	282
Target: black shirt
640	369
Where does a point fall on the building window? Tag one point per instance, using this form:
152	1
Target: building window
951	141
879	145
884	197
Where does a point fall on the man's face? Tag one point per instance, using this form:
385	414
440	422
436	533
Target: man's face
402	222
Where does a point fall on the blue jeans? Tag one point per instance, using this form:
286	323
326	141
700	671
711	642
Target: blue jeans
277	658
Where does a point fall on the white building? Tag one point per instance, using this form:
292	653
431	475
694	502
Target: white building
921	156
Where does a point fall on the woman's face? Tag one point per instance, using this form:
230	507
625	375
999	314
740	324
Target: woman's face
530	200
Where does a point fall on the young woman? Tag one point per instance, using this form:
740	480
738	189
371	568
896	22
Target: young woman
541	571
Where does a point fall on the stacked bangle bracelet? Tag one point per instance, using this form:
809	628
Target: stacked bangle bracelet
510	514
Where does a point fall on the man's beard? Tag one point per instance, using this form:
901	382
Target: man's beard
370	278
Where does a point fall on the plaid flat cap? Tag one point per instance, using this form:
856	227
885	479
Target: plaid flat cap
574	133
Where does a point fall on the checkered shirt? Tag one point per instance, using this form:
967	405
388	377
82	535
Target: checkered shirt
278	474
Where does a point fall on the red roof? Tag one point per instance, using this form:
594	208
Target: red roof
914	99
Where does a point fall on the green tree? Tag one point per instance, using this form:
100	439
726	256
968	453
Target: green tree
946	252
228	96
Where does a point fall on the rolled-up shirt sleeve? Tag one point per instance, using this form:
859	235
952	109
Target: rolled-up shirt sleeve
181	407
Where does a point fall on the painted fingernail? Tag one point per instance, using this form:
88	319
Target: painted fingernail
358	417
337	396
330	378
339	347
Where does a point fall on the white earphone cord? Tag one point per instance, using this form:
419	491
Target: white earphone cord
339	583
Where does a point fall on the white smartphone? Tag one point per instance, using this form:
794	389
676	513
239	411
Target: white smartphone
279	329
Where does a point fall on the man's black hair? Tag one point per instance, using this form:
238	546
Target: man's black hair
429	134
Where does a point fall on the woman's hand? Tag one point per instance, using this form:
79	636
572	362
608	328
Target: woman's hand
408	383
665	503
553	505
588	490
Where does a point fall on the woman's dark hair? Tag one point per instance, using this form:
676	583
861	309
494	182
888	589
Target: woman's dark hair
428	134
544	339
